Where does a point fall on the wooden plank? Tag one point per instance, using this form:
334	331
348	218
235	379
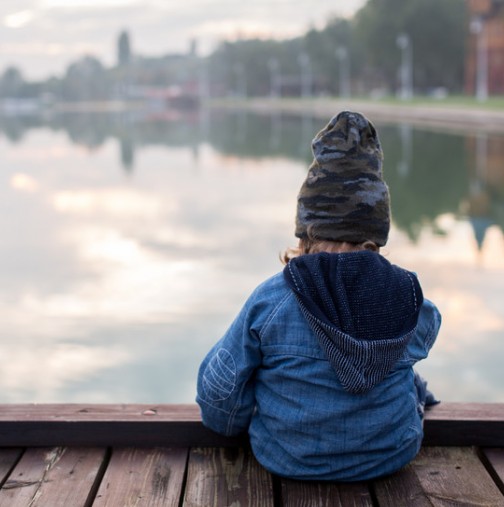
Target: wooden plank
461	424
99	412
24	481
138	477
8	458
58	477
495	461
465	412
112	434
180	425
51	412
136	425
440	477
223	477
324	494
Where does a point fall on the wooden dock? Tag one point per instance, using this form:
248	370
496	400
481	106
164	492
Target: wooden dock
139	455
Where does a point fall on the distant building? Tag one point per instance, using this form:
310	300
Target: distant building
486	43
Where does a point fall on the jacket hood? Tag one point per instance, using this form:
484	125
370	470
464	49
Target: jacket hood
362	308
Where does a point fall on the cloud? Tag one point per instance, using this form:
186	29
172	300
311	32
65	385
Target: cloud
63	364
87	4
18	19
45	36
23	182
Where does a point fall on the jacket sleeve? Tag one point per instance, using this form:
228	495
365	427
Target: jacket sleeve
225	391
429	322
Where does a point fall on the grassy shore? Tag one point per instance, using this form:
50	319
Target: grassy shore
456	101
455	113
492	103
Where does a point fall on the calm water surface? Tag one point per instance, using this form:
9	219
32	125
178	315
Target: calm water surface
130	242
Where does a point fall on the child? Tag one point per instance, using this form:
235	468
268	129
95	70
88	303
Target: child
318	365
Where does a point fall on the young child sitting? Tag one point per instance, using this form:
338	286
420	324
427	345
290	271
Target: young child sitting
318	365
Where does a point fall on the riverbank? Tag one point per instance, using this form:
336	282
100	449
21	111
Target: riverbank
434	114
461	114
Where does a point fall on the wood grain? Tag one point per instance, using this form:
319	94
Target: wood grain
142	477
58	477
8	458
221	477
495	459
91	477
440	477
324	494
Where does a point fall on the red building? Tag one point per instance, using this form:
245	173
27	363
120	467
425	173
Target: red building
486	45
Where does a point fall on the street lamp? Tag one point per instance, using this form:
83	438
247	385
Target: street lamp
274	77
344	71
306	75
477	27
241	80
203	86
406	72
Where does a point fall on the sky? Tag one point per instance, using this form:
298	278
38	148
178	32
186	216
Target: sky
41	37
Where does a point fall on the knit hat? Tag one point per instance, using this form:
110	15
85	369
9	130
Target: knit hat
344	197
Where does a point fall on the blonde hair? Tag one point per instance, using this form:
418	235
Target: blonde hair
311	246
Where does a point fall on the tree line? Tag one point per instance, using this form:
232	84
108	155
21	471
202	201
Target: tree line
361	55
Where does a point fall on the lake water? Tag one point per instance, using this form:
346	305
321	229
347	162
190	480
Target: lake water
130	241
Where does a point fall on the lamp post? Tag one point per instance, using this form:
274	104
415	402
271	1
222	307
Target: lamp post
203	85
406	71
241	80
344	71
306	75
477	27
274	77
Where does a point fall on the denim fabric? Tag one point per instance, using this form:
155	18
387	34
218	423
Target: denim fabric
270	376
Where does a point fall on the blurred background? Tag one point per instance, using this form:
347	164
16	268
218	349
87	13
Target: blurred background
151	155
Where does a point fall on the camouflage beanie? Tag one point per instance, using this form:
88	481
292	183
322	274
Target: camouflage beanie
344	197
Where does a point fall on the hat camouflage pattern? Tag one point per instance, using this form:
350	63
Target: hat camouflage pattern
344	196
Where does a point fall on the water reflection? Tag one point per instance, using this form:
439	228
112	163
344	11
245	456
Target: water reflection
429	173
484	203
130	240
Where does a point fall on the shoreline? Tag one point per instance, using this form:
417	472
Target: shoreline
452	117
442	115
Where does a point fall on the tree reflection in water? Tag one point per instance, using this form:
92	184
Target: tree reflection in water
121	284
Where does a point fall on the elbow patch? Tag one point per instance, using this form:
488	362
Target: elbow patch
219	377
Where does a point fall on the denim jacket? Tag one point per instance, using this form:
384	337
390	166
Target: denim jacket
318	367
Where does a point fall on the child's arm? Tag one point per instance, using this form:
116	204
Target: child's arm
226	377
428	325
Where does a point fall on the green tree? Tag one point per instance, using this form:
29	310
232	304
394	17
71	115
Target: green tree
243	67
323	45
437	30
86	79
11	83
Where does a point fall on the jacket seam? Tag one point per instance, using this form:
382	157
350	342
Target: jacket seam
273	313
235	409
414	291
